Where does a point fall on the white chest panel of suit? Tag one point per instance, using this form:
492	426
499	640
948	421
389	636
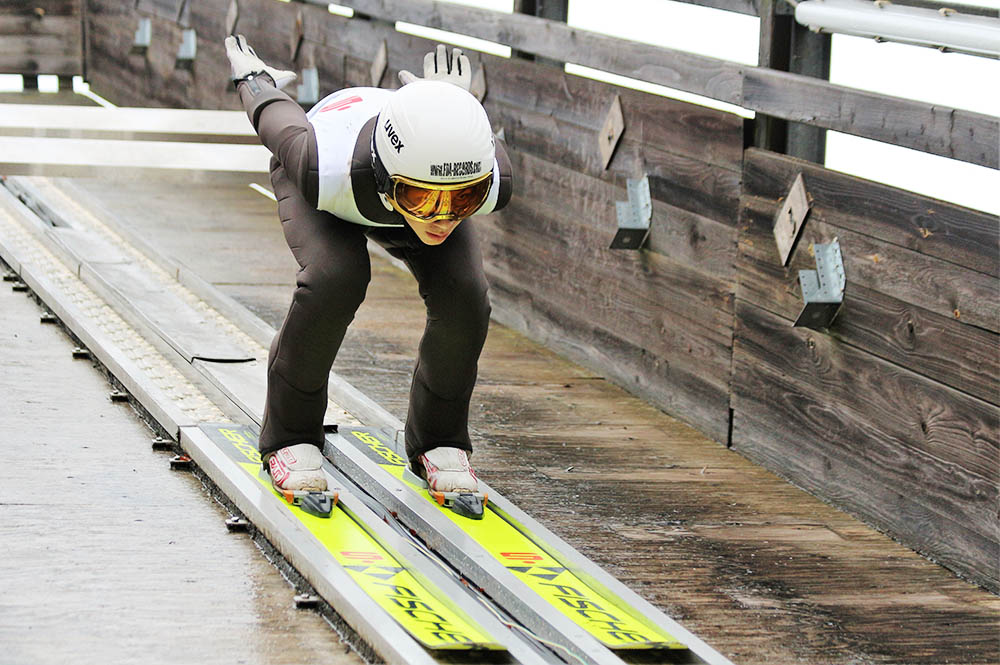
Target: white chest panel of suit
338	119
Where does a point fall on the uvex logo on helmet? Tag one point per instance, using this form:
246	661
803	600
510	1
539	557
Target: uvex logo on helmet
393	137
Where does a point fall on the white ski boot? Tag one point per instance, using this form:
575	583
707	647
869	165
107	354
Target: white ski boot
450	480
297	475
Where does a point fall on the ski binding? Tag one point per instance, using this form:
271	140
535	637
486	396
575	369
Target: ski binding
314	502
466	504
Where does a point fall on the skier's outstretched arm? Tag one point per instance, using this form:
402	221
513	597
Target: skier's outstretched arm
278	119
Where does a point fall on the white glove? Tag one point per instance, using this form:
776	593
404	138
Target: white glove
244	62
439	67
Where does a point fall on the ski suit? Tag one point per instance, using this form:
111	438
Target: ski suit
322	175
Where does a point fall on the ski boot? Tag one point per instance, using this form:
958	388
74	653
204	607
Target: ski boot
297	476
447	476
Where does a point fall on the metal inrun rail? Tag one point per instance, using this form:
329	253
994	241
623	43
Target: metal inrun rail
238	390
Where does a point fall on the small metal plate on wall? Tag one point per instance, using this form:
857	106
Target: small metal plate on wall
634	215
790	218
188	49
308	90
611	132
380	63
823	288
143	36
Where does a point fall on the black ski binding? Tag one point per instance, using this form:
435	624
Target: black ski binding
319	504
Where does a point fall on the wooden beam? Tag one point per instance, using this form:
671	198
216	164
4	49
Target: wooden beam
718	79
962	135
940	130
914	457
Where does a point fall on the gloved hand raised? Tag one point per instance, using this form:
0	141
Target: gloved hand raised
244	62
439	67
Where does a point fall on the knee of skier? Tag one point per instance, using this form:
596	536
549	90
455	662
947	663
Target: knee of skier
329	289
467	302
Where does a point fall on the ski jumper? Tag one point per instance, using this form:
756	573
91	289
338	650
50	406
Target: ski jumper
322	175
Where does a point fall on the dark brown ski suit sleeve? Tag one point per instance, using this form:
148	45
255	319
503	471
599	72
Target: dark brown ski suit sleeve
283	128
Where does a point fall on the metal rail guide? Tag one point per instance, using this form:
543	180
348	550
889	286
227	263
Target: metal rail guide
823	288
143	37
634	215
188	49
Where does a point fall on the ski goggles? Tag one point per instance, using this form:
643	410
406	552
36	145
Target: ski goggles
431	202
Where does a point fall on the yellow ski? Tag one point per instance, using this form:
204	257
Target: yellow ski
615	626
423	612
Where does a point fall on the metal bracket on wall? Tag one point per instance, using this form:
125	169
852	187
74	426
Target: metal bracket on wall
188	50
634	215
143	37
380	63
308	91
611	131
823	288
790	219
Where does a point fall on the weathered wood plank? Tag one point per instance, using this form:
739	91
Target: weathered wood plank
685	237
949	132
936	228
748	7
917	458
63	65
683	182
711	77
964	135
49	8
167	9
926	281
41	38
936	345
152	79
687	129
22	25
586	341
555	248
886	406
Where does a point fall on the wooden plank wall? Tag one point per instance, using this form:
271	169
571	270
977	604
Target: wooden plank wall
893	415
41	37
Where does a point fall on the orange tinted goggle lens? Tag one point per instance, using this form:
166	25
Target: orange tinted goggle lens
428	203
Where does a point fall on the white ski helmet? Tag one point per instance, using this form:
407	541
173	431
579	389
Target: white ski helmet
434	132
